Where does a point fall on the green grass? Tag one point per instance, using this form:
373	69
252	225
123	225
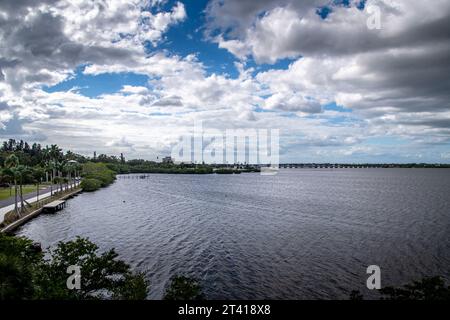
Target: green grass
5	192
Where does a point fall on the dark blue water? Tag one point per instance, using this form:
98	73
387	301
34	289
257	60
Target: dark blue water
302	234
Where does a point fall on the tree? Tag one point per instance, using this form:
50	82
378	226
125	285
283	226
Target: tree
23	173
78	169
26	274
184	288
19	174
61	167
71	168
38	175
6	179
11	163
46	162
356	295
55	155
89	185
430	288
55	152
19	261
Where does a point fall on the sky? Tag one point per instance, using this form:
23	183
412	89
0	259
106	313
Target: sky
133	76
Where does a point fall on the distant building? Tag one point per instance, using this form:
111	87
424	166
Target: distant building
167	160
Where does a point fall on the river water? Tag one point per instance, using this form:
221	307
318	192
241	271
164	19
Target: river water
301	234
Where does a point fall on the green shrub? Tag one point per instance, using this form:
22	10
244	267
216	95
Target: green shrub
184	288
26	275
100	172
90	184
227	171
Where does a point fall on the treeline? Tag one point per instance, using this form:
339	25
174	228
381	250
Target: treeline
144	166
22	164
35	154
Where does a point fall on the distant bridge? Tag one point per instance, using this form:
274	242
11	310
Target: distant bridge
326	166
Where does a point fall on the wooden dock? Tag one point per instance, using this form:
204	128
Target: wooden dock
54	206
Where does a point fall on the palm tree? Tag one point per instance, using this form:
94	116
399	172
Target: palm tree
23	174
19	174
12	175
46	162
54	153
70	170
78	168
49	168
11	163
61	167
72	167
38	175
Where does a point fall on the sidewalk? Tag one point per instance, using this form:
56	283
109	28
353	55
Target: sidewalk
4	210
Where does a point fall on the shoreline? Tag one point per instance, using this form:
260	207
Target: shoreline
10	228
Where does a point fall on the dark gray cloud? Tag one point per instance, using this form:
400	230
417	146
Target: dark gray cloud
244	21
17	7
233	16
41	36
39	46
3	106
13	128
435	123
415	81
401	69
171	101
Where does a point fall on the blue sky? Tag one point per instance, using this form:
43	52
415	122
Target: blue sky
134	76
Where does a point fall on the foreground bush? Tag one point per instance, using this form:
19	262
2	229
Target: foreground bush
431	288
184	288
26	274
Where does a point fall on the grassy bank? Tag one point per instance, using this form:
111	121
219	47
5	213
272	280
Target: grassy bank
227	171
6	193
175	170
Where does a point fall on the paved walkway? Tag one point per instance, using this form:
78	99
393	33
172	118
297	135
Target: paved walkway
8	204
